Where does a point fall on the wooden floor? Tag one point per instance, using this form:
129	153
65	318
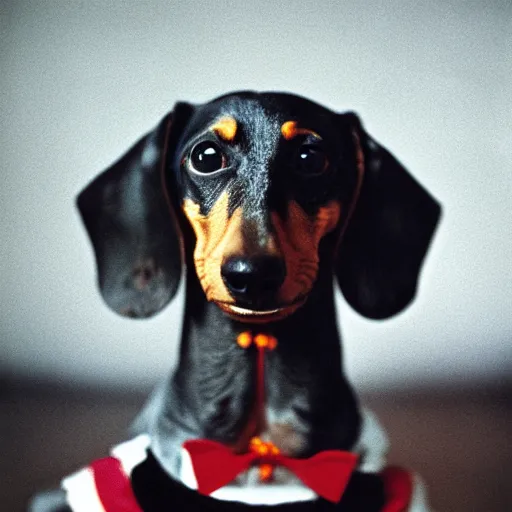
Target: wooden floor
461	442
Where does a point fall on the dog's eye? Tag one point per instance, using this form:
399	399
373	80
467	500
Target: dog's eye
207	157
311	160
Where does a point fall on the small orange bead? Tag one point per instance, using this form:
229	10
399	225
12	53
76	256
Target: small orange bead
274	450
261	340
263	449
254	444
266	471
244	339
272	343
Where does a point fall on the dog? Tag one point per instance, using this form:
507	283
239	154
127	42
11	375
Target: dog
264	199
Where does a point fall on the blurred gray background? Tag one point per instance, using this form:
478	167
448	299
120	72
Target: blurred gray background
82	80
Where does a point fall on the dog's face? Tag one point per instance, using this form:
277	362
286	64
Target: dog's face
266	183
264	180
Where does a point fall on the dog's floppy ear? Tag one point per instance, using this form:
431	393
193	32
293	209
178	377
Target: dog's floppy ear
381	252
132	227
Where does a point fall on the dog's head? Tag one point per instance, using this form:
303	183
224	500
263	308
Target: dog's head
272	186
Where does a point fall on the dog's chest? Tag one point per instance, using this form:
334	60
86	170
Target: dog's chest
287	406
274	402
285	395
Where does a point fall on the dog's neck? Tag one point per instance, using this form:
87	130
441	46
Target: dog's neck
212	393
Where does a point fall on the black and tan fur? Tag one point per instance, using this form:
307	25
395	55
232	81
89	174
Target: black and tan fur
262	240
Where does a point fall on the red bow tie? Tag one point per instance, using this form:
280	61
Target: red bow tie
215	466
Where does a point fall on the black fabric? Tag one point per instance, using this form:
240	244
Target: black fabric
157	492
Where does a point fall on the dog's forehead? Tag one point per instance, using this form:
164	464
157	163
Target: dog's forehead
263	114
261	125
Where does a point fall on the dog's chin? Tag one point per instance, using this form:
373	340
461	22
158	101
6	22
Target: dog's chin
255	316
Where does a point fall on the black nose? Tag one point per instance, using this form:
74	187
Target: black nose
253	279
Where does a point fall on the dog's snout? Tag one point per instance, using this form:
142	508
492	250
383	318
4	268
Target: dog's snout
253	278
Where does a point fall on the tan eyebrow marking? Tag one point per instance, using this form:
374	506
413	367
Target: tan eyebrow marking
291	129
225	128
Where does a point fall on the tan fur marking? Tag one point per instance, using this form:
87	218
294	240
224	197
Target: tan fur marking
217	237
299	237
290	129
225	128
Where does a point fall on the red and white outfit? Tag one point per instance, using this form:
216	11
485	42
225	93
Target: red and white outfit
104	486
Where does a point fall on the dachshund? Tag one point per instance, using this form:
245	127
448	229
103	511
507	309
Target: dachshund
264	199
